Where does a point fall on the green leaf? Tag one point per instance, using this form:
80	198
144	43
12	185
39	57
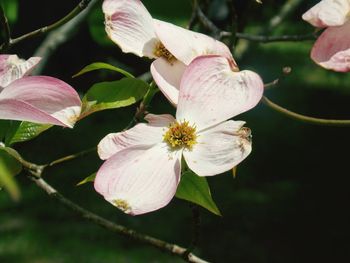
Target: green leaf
112	95
24	131
102	65
9	167
195	189
88	179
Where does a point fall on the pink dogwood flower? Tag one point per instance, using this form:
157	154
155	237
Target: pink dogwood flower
332	48
38	99
132	28
143	164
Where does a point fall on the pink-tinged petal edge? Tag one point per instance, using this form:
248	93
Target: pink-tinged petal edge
13	68
140	179
149	133
168	77
40	99
186	45
219	149
130	26
332	49
210	92
328	13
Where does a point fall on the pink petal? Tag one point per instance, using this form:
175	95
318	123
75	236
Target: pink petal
142	134
332	48
168	76
210	92
130	26
186	45
140	179
40	99
328	13
218	149
12	68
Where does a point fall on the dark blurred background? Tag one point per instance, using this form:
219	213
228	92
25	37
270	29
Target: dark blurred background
289	201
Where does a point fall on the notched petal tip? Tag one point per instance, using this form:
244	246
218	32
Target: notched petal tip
130	26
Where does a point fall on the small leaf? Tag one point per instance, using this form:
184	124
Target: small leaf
9	167
24	131
102	65
195	189
88	179
112	95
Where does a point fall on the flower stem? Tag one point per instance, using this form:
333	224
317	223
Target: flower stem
80	7
304	118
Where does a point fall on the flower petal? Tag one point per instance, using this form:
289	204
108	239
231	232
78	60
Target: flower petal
186	45
142	134
328	13
40	99
130	26
210	92
140	179
219	149
168	76
332	48
12	68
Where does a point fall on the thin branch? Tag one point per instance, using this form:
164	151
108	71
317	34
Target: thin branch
71	157
304	118
5	24
267	39
172	249
207	23
59	36
79	8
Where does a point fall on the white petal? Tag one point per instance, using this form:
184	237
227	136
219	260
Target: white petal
13	68
219	149
210	92
168	76
130	26
142	134
139	180
332	48
186	45
328	13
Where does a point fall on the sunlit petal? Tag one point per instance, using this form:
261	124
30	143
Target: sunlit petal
140	179
210	92
12	68
168	76
219	149
328	13
40	99
332	48
186	45
130	26
142	134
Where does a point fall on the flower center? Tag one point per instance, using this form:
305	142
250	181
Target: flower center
121	204
161	51
181	134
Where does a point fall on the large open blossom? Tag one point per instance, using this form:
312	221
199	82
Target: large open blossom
332	48
132	28
143	164
39	99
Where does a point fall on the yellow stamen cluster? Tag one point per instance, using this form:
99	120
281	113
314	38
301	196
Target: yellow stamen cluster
121	204
181	134
161	51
